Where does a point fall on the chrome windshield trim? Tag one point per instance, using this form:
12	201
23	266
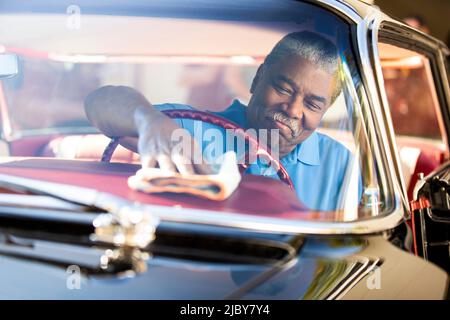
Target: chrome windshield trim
364	25
373	70
271	225
383	134
384	137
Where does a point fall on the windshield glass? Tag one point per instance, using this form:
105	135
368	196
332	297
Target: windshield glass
306	94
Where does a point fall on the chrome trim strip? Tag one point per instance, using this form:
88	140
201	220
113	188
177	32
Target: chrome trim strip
352	281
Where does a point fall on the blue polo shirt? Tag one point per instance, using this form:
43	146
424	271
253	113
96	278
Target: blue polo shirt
317	166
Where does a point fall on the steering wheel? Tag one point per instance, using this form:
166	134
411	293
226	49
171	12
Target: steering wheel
221	122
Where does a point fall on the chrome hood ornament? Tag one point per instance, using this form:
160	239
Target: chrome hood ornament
128	227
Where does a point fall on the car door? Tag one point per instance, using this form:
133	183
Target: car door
414	90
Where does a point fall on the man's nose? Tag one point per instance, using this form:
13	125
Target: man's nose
294	108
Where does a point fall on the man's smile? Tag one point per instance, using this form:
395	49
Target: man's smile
285	130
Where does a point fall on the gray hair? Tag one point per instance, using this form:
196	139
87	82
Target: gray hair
312	47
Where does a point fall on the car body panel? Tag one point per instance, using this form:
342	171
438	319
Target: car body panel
324	269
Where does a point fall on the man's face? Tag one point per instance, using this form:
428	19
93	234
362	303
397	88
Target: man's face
291	95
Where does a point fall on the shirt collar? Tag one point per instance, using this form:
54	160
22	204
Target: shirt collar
306	152
236	112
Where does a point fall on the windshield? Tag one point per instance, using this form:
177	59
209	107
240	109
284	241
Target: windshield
308	93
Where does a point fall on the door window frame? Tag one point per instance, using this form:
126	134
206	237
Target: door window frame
400	35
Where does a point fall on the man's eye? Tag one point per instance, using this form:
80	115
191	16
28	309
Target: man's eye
313	106
282	90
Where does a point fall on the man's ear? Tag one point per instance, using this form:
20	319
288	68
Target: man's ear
256	78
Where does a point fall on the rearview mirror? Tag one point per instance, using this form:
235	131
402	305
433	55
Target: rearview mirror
9	65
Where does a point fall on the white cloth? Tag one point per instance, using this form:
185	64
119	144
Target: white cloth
214	187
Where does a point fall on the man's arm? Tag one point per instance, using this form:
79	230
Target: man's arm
120	111
113	109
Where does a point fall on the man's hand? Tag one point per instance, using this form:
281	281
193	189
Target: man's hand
157	144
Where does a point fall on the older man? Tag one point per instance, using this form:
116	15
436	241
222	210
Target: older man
291	92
